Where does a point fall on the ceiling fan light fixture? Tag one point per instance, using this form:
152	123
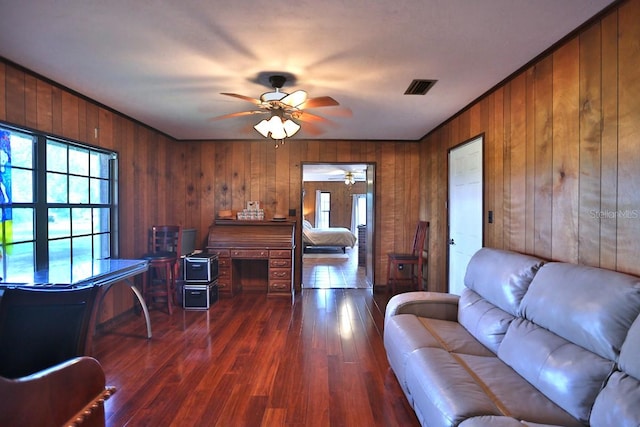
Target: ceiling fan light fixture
272	96
291	127
263	128
349	179
276	127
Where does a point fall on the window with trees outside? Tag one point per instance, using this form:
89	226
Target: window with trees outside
58	202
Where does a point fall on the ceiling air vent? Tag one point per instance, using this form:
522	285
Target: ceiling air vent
419	87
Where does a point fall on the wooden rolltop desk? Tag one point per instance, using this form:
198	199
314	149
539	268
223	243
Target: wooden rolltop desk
253	256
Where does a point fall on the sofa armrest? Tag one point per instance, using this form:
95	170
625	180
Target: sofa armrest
434	305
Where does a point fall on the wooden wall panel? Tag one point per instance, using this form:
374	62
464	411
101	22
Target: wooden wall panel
590	146
609	150
3	92
562	145
44	116
516	148
628	212
543	157
566	132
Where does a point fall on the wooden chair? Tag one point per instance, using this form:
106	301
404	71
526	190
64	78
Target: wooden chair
165	247
41	327
71	393
414	261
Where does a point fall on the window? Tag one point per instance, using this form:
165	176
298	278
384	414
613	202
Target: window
57	200
323	210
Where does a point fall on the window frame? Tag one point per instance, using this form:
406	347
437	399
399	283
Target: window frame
41	238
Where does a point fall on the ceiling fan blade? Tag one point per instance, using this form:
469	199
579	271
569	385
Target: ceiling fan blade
244	98
339	112
312	129
295	99
307	117
321	101
238	114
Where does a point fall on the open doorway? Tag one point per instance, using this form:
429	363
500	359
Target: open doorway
337	213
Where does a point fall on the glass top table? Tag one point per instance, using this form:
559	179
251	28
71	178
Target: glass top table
103	273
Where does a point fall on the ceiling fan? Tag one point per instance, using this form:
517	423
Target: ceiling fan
285	109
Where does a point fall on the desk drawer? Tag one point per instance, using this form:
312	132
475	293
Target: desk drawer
280	262
279	286
224	272
279	274
280	253
224	286
249	253
224	262
219	252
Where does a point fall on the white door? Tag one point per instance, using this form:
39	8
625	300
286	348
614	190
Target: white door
465	209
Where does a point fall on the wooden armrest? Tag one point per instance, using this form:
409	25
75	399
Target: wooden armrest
91	409
55	396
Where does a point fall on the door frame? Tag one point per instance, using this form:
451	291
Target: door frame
371	218
480	136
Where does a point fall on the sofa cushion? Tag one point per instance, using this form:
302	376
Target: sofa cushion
485	321
448	388
453	337
566	373
619	402
630	353
501	277
405	333
602	304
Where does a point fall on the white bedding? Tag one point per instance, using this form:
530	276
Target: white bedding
334	236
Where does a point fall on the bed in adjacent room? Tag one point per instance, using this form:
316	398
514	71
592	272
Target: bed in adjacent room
335	237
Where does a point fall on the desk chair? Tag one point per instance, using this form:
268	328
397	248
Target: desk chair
40	328
159	282
415	261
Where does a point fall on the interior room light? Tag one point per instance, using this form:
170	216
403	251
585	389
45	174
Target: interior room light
349	179
276	128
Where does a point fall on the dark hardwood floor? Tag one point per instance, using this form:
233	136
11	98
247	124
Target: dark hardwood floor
254	360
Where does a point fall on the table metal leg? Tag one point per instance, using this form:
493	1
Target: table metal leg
144	307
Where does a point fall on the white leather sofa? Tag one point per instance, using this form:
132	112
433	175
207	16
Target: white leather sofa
528	343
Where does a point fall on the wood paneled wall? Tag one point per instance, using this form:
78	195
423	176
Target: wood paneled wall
561	153
341	200
162	180
225	175
151	164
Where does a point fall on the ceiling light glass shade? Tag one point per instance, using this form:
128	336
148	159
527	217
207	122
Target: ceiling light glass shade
291	127
276	128
263	128
272	96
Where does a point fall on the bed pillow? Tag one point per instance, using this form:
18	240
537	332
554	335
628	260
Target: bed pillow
306	224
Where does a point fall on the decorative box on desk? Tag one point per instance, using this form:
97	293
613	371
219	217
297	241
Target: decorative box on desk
199	297
200	268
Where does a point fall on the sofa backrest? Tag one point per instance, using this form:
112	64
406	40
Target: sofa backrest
574	322
619	402
496	281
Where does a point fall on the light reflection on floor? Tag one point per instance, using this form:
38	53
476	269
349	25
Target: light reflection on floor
336	273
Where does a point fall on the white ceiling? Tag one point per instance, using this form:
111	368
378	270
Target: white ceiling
165	62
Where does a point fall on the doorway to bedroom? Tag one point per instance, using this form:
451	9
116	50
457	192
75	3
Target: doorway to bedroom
337	233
